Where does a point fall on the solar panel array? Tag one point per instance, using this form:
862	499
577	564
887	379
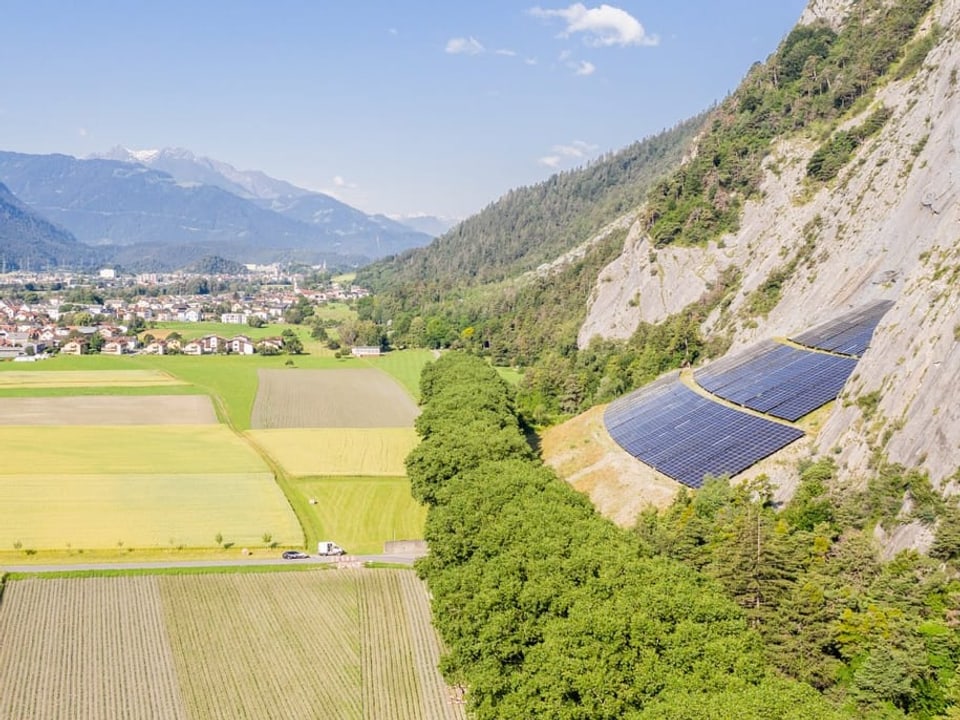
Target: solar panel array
848	334
688	436
778	380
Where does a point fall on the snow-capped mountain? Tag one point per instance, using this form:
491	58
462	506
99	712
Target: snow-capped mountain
187	167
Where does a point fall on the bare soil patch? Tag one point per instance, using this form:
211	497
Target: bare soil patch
620	486
108	410
354	398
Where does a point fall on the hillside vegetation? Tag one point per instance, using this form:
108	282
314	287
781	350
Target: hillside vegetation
816	76
550	611
533	225
724	606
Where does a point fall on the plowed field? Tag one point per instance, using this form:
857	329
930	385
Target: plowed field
331	398
350	645
108	410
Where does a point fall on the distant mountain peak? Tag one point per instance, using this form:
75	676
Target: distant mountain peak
145	156
186	166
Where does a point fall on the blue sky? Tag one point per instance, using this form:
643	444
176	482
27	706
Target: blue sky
398	107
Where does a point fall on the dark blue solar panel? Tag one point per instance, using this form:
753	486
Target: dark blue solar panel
778	380
850	333
688	436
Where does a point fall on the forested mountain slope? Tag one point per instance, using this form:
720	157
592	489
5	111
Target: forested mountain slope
533	225
31	242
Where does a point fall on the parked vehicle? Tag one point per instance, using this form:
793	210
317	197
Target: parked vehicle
294	555
325	548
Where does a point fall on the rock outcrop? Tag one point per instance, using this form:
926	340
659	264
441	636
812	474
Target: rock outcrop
886	228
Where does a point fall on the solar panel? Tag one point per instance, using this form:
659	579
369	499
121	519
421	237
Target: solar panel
850	333
777	379
688	436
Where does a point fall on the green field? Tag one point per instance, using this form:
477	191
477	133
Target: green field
360	513
405	367
511	375
63	485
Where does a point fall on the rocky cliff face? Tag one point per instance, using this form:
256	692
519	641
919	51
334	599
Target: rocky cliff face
886	227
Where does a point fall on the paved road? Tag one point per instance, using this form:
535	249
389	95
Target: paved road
251	562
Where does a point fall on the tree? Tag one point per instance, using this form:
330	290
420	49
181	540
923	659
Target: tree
292	345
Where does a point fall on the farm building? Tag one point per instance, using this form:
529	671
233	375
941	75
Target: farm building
365	351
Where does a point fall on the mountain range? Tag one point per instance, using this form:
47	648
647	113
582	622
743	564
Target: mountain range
161	210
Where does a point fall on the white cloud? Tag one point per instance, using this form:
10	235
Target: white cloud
604	26
82	132
393	31
584	68
339	182
576	150
464	46
506	52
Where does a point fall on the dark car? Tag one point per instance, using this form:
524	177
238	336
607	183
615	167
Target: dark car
294	555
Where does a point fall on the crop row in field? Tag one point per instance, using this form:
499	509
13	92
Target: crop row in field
55	511
85	378
108	410
349	398
86	649
349	644
338	451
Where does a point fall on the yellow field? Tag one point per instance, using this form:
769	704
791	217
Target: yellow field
338	451
85	450
143	511
85	378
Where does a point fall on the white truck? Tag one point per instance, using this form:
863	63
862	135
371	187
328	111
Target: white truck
326	548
